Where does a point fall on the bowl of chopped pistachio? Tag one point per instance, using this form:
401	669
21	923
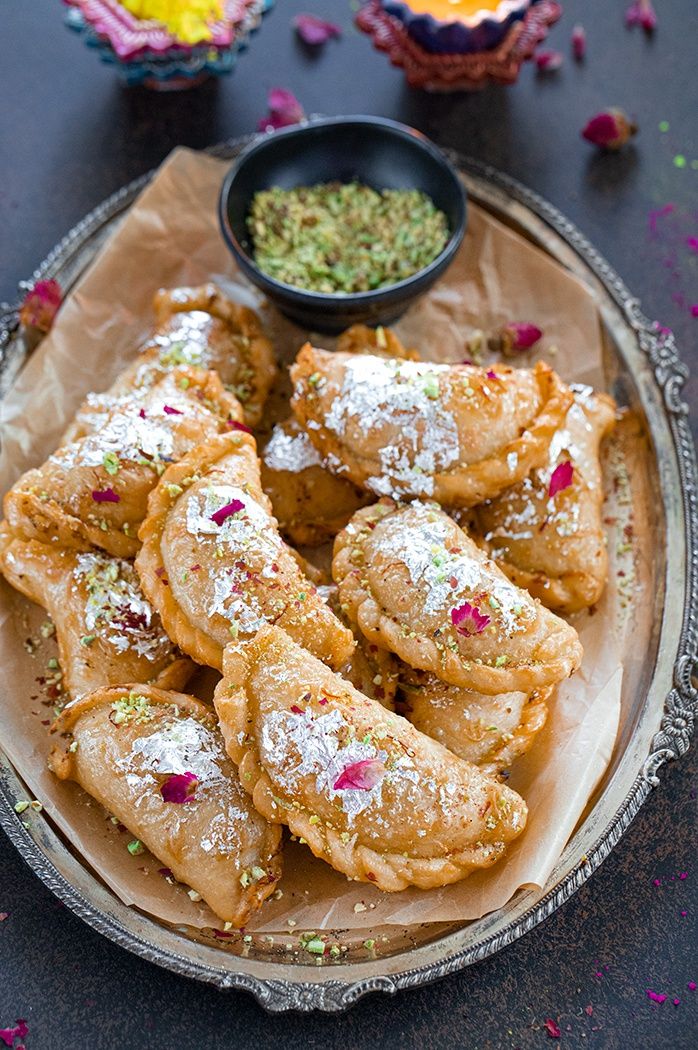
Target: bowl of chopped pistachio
343	220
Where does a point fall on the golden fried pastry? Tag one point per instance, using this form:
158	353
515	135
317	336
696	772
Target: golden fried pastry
412	428
156	761
202	328
213	563
416	584
546	533
95	491
360	339
370	795
310	503
374	671
106	630
490	731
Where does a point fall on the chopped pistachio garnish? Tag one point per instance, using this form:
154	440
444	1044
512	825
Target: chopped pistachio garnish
135	847
344	237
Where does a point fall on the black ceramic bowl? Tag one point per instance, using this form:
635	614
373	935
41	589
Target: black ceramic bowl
377	152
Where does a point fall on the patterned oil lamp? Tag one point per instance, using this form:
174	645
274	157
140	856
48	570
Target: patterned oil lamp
446	45
167	44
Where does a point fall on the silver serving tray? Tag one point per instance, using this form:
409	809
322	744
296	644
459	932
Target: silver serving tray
659	708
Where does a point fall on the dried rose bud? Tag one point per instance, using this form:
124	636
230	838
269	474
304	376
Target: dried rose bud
548	61
284	110
313	30
610	129
41	305
579	43
515	337
641	13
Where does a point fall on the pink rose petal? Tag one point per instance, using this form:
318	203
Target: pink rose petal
491	374
41	305
234	425
552	1029
313	30
297	710
20	1031
467	619
561	478
548	61
105	496
284	110
579	43
361	776
609	129
179	787
227	511
170	411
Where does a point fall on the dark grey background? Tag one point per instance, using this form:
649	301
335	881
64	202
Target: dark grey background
69	135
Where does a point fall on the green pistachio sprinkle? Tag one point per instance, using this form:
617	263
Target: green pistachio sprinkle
500	661
370	944
21	806
174	490
135	847
110	462
87	639
315	946
344	237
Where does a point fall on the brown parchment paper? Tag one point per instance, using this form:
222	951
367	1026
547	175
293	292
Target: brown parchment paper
169	237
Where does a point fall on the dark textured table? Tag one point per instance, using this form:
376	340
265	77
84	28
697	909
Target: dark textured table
70	135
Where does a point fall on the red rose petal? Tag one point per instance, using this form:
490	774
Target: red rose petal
179	787
313	30
519	335
234	425
170	411
227	511
297	710
561	478
20	1031
467	619
105	496
551	1028
548	61
641	13
579	43
610	129
361	776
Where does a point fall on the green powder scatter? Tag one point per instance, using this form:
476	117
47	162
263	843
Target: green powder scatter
663	125
679	161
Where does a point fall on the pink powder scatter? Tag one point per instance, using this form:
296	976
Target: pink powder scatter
657	882
692	986
676	1002
656	997
694	310
692	243
683	875
659	213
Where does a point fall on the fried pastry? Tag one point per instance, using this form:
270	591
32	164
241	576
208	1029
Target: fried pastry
213	563
374	671
106	630
546	533
489	731
310	503
360	339
416	584
95	491
457	433
201	328
371	795
156	761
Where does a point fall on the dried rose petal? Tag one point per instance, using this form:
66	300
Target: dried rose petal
656	997
641	13
105	496
284	110
491	374
142	414
610	129
313	30
179	787
41	305
552	1029
234	425
561	478
170	411
229	509
8	1035
579	43
297	710
515	337
361	776
548	61
467	619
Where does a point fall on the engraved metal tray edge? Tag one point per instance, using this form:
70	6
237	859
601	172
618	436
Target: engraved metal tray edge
677	656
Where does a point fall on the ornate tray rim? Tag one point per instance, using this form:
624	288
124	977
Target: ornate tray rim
130	930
